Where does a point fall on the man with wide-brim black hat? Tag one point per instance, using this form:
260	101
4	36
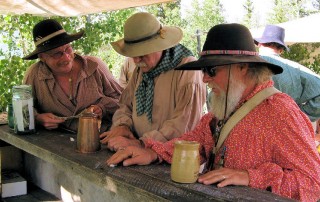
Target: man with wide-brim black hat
158	103
255	135
65	83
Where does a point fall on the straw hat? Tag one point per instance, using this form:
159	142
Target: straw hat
272	34
228	44
143	34
49	34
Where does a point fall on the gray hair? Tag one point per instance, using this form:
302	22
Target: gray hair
260	72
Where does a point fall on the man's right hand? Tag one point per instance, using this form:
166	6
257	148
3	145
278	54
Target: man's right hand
133	155
48	120
116	131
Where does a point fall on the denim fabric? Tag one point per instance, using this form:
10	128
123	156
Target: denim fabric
302	84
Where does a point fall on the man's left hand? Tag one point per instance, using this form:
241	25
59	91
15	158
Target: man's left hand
225	176
133	156
120	142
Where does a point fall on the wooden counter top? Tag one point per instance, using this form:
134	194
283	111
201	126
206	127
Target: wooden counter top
148	182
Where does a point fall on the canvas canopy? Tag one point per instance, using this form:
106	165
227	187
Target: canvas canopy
302	30
69	7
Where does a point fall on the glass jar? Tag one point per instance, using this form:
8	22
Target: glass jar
22	102
10	116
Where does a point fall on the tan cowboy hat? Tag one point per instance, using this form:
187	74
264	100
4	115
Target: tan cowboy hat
143	34
49	34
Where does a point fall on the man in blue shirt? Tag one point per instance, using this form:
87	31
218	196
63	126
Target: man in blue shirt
302	84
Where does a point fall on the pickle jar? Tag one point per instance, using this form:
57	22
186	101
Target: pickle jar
22	102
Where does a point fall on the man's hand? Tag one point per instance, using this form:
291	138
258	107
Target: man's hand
48	120
133	155
225	176
120	142
123	131
96	109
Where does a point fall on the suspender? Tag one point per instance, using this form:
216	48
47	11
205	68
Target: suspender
234	119
243	111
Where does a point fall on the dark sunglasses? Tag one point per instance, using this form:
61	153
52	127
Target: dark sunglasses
211	71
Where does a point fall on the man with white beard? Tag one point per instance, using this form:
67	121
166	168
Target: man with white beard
255	135
158	103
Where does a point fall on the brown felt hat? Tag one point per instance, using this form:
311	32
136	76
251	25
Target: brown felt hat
49	34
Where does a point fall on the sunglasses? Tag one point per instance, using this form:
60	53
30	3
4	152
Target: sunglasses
59	54
211	71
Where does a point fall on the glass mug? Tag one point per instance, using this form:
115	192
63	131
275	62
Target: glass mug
88	140
185	162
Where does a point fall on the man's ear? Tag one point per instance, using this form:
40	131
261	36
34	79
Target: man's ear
41	57
244	68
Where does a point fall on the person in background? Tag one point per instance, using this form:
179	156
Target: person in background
126	71
158	103
302	84
65	83
270	144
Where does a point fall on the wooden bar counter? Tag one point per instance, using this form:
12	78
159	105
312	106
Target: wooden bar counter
52	163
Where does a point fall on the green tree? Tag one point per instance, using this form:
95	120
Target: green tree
249	10
199	19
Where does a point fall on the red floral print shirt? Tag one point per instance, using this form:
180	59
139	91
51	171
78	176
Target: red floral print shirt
274	143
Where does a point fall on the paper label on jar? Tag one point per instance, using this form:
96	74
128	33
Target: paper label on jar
23	114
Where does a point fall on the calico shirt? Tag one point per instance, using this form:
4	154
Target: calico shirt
274	143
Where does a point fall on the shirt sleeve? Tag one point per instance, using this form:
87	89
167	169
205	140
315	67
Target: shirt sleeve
294	170
187	113
201	134
123	116
310	95
109	102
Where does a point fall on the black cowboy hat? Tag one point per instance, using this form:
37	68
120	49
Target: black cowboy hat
272	34
49	34
228	44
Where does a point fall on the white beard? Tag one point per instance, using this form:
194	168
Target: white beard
236	89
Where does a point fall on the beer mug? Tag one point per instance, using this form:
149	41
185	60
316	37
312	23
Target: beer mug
185	162
88	133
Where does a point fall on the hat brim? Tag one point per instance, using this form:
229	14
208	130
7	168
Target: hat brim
171	36
55	42
263	40
220	60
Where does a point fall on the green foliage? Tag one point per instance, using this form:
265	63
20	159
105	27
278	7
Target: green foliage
303	54
202	16
248	17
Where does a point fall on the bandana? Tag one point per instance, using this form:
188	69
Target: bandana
144	94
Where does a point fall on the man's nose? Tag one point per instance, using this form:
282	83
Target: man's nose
206	78
137	59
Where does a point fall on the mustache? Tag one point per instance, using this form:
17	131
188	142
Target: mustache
141	64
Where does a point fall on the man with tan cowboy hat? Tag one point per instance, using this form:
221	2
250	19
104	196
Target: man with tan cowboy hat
65	83
255	135
158	102
301	83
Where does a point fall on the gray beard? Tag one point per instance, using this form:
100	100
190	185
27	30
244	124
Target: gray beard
217	103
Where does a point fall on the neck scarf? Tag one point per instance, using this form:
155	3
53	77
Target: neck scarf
144	94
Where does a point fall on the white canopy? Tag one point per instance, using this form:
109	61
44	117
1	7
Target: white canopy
69	7
302	30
